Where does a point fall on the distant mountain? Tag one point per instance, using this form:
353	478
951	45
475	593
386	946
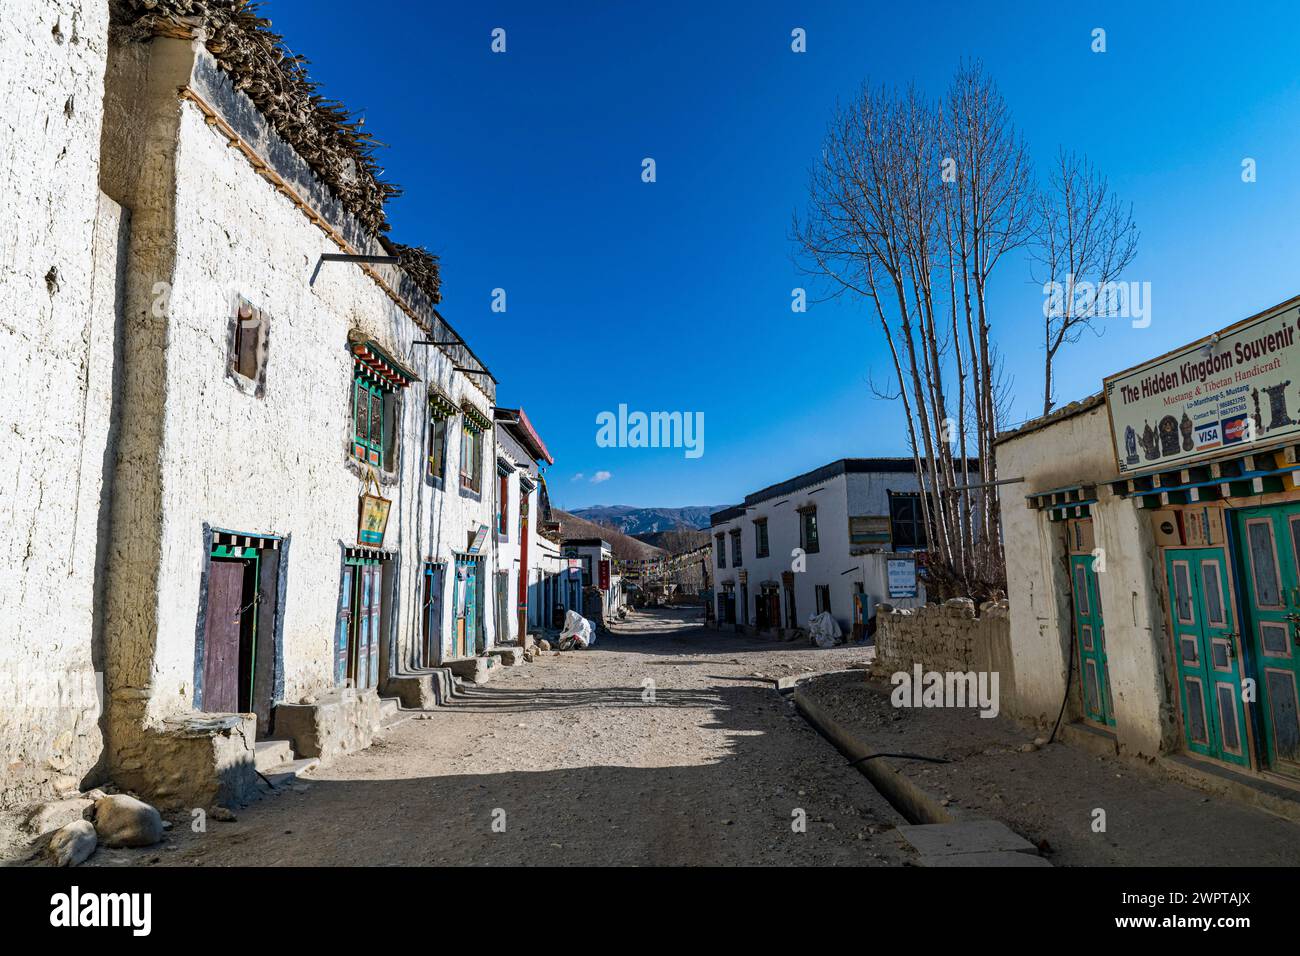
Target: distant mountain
640	521
677	540
625	546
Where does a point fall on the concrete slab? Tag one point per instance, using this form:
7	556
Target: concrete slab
421	690
999	858
286	773
967	836
476	670
509	656
271	753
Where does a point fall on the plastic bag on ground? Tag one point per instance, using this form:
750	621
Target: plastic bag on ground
824	630
577	633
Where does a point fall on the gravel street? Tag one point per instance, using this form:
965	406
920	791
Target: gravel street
578	766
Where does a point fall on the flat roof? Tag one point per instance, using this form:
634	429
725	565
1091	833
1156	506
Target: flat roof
844	466
1051	418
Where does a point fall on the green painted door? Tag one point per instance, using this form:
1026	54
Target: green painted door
1090	637
1268	541
1205	647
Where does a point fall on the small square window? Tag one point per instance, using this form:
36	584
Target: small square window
471	456
246	362
808	530
437	447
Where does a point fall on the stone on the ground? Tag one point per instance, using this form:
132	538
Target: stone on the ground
543	645
222	814
73	843
125	821
967	836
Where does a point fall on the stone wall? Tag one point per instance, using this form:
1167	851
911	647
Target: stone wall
948	637
53	390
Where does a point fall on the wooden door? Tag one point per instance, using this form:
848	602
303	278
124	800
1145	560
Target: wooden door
343	627
222	629
1268	542
367	630
470	635
1090	638
1205	648
432	616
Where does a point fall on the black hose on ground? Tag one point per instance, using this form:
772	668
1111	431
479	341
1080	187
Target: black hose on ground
854	763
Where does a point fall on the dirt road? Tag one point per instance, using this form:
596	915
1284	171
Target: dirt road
577	763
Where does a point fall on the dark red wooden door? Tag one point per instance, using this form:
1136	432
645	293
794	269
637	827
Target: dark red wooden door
221	637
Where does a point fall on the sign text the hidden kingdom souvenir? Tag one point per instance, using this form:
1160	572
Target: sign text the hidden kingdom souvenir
1238	386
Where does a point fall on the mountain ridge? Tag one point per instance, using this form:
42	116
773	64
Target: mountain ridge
637	521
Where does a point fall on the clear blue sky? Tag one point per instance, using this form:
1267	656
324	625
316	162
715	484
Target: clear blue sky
522	171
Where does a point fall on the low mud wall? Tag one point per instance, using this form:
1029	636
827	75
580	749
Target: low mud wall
952	636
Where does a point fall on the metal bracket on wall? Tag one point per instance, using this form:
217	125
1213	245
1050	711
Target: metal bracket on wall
342	257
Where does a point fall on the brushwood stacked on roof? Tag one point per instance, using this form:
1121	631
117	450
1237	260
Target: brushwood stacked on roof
322	131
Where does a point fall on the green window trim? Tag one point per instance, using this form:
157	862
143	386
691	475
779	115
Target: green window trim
368	395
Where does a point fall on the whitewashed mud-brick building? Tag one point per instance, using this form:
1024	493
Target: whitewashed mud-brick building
1153	557
518	577
842	538
259	477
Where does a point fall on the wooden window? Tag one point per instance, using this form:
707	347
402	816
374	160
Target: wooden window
736	560
906	521
438	447
371	411
503	506
248	341
760	538
808	530
720	547
471	456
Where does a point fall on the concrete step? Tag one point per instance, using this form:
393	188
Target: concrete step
272	753
475	670
388	708
510	656
971	843
286	773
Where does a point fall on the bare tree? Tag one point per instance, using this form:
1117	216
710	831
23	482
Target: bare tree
1085	239
912	206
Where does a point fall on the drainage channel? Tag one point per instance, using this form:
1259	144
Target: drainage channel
943	836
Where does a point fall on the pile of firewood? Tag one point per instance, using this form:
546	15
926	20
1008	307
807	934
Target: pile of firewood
322	131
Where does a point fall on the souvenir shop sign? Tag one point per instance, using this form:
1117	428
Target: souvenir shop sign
1215	396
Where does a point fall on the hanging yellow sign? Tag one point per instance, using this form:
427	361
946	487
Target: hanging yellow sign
374	514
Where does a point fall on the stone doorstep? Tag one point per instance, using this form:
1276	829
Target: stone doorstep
1098	742
271	753
422	690
1277	797
510	656
287	773
476	670
332	725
